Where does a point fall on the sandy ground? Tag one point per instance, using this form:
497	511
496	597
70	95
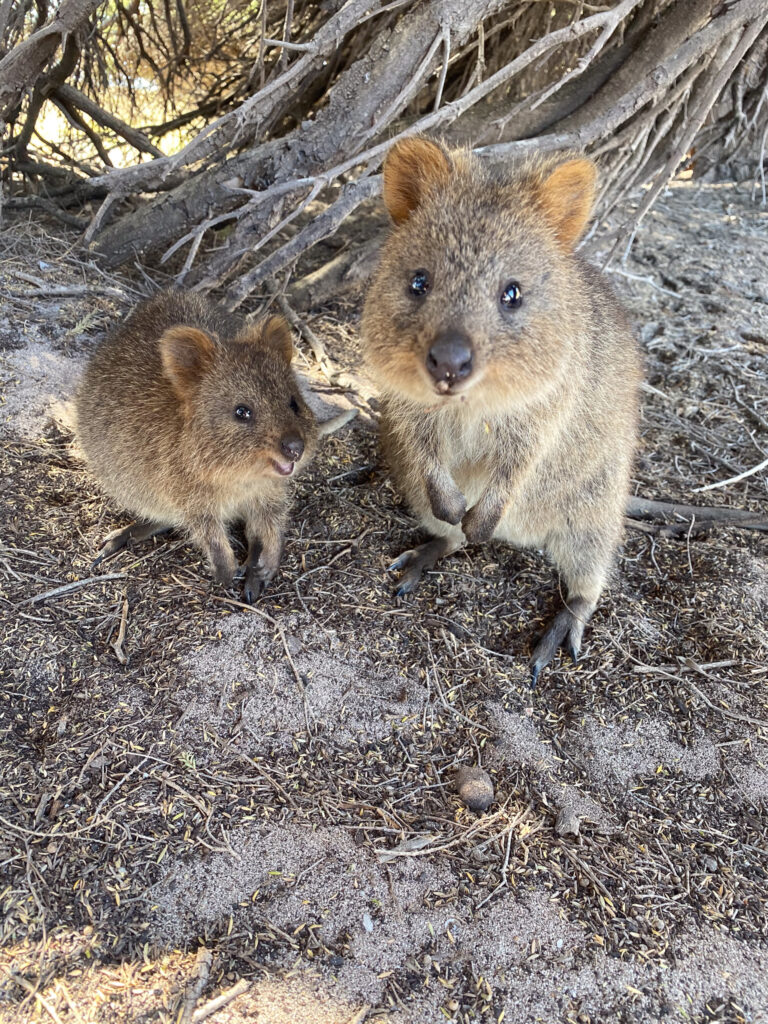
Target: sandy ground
260	804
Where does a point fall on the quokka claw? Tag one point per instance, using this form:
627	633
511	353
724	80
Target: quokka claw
402	561
417	561
573	649
565	630
406	588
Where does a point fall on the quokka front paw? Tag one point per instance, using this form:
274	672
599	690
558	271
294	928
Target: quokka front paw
223	563
257	579
479	525
448	504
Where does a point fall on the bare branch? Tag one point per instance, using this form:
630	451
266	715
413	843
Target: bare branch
22	66
320	227
68	94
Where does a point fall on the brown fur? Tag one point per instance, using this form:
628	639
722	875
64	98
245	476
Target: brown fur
535	446
156	419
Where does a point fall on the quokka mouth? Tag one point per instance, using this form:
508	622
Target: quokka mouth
443	388
283	466
458	390
446	391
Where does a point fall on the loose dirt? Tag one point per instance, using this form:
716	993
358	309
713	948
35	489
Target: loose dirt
276	785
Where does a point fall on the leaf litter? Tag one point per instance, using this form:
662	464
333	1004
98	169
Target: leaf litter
251	814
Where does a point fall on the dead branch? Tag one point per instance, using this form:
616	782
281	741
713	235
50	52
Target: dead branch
730	54
682	516
73	97
22	66
307	104
202	972
382	78
46	84
219	136
224	999
322	226
347	271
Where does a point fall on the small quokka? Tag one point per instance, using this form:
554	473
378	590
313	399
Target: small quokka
191	419
508	373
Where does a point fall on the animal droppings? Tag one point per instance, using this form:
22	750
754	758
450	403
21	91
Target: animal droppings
475	788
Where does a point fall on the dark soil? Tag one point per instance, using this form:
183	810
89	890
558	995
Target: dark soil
276	785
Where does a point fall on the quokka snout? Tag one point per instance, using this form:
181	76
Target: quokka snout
191	419
507	370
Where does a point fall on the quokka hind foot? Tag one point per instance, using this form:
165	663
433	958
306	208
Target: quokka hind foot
416	561
565	630
119	539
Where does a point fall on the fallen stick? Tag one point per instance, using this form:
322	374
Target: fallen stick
58	591
734	479
224	999
32	991
737	716
360	1015
202	972
704	515
117	645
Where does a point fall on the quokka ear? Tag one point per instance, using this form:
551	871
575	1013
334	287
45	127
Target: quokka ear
276	334
411	168
185	353
566	197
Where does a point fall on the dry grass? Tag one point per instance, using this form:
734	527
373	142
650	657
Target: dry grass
119	782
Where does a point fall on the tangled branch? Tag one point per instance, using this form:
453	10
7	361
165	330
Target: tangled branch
281	152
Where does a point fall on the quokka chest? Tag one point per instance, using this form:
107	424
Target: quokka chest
236	497
468	450
477	450
477	443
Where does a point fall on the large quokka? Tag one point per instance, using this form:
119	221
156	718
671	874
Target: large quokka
508	372
190	419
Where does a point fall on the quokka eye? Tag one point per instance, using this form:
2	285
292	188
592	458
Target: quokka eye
294	405
243	412
511	296
419	284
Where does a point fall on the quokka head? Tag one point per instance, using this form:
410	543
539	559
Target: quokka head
242	408
477	293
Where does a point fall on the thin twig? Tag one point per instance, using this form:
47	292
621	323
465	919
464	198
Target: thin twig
359	1016
119	784
320	227
620	12
761	723
287	31
117	645
202	972
36	995
262	41
448	707
733	479
446	28
286	45
220	1001
58	591
67	290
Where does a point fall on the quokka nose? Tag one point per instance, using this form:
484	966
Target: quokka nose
292	448
450	358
